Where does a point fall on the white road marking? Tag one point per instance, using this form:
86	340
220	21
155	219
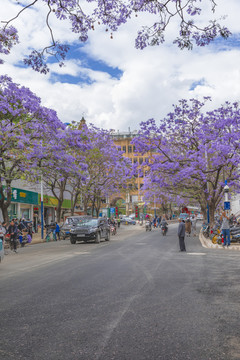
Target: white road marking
199	254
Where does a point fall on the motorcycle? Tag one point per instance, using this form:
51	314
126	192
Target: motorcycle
113	229
164	229
148	225
24	238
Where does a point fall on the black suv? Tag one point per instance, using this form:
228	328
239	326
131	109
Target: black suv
90	229
69	223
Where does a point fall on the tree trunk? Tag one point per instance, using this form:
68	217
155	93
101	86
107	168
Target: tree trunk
4	209
73	203
211	214
74	199
204	212
59	210
4	203
85	205
61	188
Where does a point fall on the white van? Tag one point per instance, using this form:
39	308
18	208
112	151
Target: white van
1	250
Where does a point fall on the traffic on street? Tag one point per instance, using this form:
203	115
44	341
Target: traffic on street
135	297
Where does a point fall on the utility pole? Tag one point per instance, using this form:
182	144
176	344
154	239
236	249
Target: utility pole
42	224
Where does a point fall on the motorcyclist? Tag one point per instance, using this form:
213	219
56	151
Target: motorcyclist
164	224
148	224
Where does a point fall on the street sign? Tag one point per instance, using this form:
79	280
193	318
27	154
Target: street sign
136	212
227	205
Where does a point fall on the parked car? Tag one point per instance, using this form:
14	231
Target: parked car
128	221
1	250
88	228
68	224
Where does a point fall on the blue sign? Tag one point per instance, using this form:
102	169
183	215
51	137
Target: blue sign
112	210
227	205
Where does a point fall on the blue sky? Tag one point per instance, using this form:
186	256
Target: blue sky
117	86
78	52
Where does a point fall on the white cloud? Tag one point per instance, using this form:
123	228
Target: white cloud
152	80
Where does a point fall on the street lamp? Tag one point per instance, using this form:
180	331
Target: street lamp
226	191
227	205
155	211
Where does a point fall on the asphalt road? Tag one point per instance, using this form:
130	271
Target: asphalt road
133	298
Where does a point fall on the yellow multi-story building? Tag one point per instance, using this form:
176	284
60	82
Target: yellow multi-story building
134	192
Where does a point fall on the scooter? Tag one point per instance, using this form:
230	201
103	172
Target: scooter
148	225
164	229
24	238
113	229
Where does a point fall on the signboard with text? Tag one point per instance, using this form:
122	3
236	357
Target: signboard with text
23	196
227	205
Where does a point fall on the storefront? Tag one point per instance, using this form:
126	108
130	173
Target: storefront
22	204
50	204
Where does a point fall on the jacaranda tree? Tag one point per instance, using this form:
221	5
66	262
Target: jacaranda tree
193	153
63	163
25	126
107	170
83	18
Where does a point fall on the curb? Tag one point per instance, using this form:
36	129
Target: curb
207	243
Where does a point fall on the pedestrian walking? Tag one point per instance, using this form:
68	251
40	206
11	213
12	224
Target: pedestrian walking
188	227
13	232
181	235
194	226
57	231
4	225
2	232
225	229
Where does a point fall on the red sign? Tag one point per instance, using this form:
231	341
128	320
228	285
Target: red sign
136	212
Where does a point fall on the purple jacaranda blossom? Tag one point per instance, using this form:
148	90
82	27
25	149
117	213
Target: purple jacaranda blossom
28	134
111	15
192	153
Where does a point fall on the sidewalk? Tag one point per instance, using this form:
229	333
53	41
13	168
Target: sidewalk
36	238
207	243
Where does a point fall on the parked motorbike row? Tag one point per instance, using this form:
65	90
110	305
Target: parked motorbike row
216	234
24	237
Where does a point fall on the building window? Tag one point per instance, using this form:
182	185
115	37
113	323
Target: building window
140	160
124	149
135	160
129	148
134	148
146	160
